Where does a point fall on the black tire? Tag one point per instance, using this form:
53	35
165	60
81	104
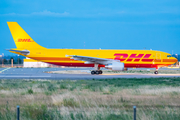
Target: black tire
97	72
93	72
100	72
156	72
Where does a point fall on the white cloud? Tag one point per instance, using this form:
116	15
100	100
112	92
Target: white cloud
49	13
44	13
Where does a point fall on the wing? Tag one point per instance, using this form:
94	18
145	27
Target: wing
92	60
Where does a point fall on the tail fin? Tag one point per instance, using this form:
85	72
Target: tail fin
21	38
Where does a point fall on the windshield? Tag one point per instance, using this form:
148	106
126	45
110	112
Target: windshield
169	56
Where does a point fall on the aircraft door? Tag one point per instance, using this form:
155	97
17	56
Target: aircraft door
158	56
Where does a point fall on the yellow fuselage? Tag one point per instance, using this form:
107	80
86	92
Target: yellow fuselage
130	58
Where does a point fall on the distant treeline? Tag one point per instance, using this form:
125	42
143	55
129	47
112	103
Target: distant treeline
16	59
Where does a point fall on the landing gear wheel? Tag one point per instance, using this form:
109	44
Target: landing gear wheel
93	72
97	72
100	72
156	72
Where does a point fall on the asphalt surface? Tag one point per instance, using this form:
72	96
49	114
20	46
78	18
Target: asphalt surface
40	73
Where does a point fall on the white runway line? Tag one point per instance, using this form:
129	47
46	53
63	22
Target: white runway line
24	76
4	70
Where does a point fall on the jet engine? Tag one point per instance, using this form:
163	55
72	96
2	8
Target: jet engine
116	66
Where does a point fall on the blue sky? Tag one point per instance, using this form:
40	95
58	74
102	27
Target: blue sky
94	24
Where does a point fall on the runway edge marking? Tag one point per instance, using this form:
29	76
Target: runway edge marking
4	70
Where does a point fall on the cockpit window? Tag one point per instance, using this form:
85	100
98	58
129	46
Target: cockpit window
169	56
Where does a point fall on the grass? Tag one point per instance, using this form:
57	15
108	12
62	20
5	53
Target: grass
110	99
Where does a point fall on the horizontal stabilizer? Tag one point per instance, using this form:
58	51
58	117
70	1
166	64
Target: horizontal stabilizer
24	52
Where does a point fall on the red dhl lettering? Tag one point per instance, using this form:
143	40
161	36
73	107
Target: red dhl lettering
135	57
120	57
25	40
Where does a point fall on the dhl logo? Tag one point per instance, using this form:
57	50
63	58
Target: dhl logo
24	40
135	57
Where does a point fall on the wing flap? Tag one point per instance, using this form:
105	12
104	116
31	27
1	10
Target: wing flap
92	60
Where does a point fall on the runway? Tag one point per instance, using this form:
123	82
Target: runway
40	73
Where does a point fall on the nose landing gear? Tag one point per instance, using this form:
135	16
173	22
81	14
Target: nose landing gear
156	72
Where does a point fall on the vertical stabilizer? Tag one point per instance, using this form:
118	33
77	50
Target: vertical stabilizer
21	38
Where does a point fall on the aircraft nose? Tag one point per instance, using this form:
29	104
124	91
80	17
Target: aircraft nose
175	59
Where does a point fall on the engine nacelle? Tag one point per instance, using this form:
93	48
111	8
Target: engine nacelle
116	66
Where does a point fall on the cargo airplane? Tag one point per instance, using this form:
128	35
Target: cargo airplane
117	60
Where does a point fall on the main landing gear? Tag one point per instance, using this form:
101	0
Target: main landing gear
97	70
